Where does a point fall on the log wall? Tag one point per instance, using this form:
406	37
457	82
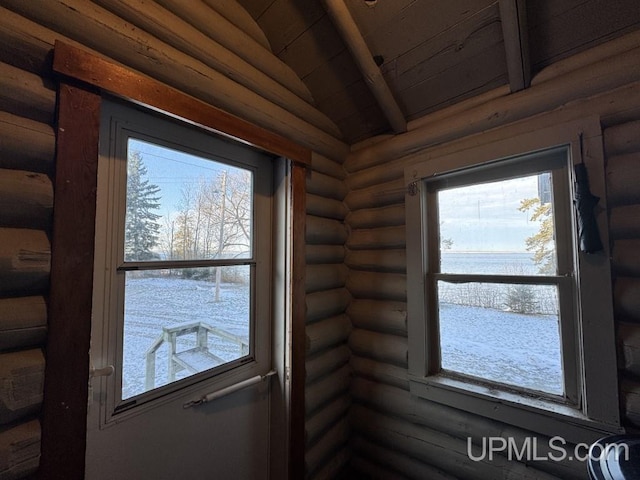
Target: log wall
395	434
229	67
328	374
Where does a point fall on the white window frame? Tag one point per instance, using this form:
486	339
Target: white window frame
590	408
120	122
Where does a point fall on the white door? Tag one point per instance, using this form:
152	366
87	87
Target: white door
182	316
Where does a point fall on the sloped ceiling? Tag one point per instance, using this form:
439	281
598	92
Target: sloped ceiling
433	53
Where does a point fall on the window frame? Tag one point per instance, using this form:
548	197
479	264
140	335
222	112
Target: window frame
594	411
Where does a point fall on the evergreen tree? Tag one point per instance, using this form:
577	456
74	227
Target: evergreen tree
141	226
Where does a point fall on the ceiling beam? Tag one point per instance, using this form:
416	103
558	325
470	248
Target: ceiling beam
513	16
343	21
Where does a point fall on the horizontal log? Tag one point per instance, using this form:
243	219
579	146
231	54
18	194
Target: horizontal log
238	16
175	32
25	144
326	304
394	261
21	384
626	298
26	199
623	179
325	277
325	207
333	467
380	316
327	333
590	80
327	446
379	458
98	29
624	222
380	372
23	322
328	166
327	389
621	139
436	449
379	346
376	175
392	216
626	258
20	46
323	231
326	361
628	336
20	450
440	418
372	238
25	94
326	186
218	28
319	254
381	195
25	257
378	286
325	418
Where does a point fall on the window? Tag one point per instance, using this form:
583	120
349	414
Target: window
500	321
187	292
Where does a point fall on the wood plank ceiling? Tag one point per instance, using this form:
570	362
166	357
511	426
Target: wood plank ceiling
432	53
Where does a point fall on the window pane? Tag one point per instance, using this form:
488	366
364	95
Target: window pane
180	322
503	228
503	333
184	207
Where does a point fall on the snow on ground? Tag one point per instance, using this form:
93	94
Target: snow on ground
154	302
516	349
521	350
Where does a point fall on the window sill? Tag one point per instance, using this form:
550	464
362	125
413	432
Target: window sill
539	415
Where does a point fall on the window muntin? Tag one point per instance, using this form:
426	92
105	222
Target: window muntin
195	307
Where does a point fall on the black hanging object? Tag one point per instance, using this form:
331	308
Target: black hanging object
586	202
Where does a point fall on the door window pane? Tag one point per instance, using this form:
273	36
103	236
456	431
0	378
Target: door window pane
184	207
182	321
506	333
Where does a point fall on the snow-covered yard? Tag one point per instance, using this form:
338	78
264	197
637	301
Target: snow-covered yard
512	348
154	302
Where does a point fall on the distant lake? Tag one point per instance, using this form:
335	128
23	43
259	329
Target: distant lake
488	263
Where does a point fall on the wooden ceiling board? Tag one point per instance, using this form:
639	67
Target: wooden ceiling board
581	27
456	45
332	77
286	20
345	102
419	22
541	11
314	47
372	18
364	124
255	7
475	75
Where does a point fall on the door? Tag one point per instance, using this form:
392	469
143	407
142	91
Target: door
183	304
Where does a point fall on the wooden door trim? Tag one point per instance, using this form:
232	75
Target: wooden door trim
85	77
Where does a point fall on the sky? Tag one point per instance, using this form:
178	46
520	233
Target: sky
171	170
485	217
482	217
